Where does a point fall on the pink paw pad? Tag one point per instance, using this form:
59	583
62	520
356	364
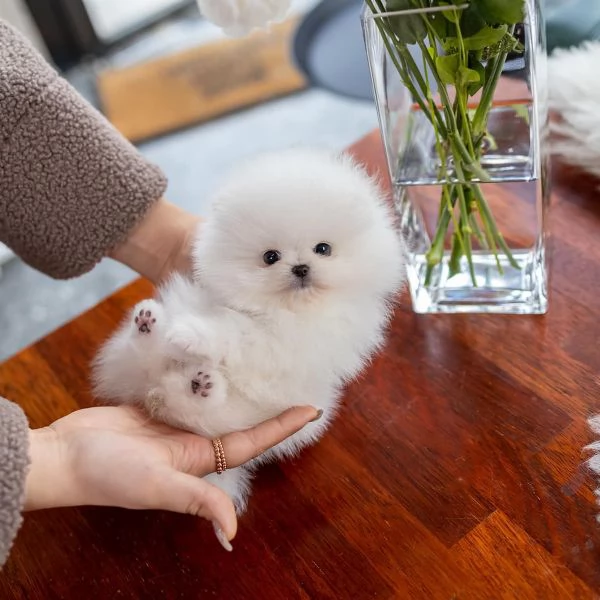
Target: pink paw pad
201	384
144	321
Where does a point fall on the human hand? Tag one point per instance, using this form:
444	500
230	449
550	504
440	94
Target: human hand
161	243
117	456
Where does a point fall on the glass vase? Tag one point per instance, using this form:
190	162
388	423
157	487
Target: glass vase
463	117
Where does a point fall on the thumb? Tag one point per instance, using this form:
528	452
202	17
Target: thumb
192	495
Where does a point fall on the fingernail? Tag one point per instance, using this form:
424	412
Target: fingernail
319	415
222	537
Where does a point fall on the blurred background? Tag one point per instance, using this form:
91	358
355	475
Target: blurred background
196	103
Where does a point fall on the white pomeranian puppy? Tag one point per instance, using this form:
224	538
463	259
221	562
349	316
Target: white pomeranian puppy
295	274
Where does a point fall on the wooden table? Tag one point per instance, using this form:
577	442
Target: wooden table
453	471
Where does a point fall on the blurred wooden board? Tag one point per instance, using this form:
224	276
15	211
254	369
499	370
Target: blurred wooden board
197	85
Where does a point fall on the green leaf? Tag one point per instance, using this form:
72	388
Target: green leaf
471	20
440	25
518	48
410	29
447	67
450	45
507	12
466	76
506	45
451	15
488	36
474	87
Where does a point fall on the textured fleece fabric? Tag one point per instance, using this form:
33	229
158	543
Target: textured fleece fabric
14	448
71	188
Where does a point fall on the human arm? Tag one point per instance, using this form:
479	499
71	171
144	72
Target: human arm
78	460
72	189
14	461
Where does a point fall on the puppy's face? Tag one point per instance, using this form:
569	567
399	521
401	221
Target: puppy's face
296	230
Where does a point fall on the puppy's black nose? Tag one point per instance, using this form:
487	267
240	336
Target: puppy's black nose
300	270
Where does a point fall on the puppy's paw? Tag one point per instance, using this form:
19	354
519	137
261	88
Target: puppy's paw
146	316
207	384
202	384
145	321
185	342
181	339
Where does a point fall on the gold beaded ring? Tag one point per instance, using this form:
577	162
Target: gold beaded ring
220	459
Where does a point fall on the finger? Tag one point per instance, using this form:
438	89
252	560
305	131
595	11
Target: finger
198	456
187	494
242	446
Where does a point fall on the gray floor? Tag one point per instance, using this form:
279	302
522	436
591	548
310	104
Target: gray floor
195	161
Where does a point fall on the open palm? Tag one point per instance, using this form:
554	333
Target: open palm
117	456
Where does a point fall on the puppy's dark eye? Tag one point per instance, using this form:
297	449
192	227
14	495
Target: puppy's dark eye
324	249
271	257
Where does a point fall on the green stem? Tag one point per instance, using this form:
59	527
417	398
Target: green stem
462	200
470	160
488	217
461	153
444	97
416	72
487	95
436	251
473	212
386	33
464	223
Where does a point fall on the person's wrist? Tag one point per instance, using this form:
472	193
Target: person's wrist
50	482
182	231
161	243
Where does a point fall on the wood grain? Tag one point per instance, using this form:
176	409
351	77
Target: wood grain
455	469
197	85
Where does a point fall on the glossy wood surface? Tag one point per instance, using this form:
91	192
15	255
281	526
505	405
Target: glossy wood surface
453	471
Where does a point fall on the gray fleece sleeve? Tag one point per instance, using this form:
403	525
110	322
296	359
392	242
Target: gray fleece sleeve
71	187
14	461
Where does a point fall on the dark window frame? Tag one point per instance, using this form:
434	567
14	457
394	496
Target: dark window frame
69	34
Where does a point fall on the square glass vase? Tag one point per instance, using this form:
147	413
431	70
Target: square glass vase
469	167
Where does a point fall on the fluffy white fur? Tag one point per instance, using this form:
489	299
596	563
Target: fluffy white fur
575	95
244	341
594	462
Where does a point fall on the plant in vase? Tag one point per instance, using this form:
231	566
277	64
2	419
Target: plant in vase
451	56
